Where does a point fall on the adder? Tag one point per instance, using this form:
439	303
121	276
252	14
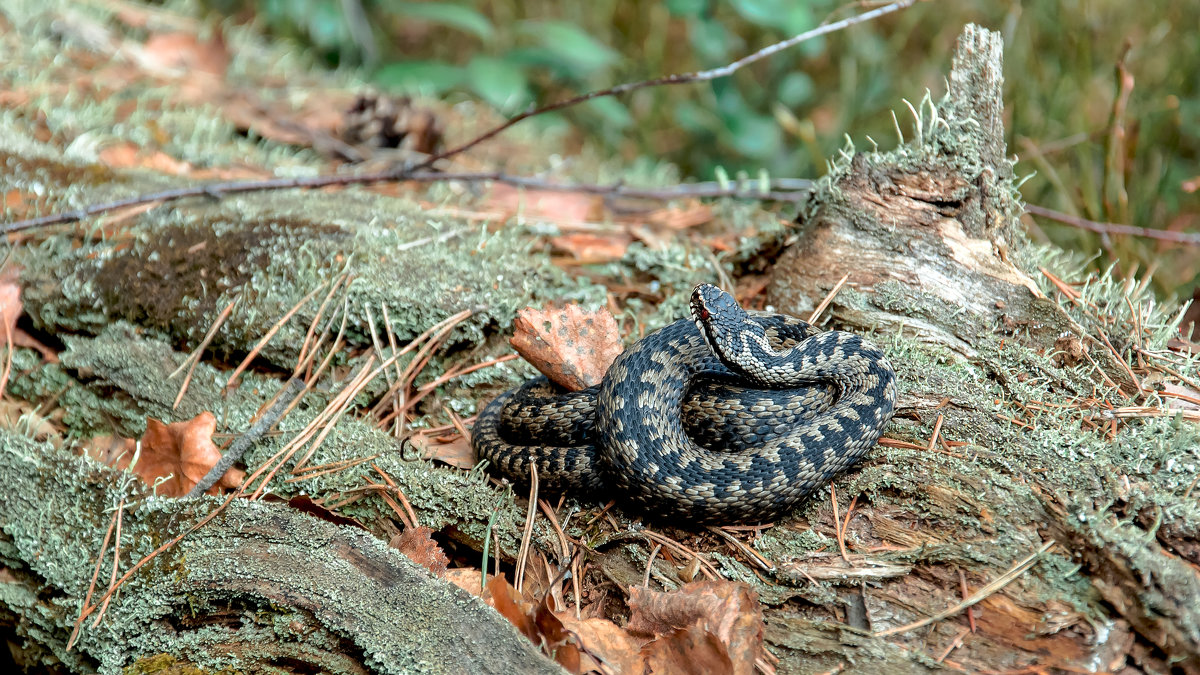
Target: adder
731	416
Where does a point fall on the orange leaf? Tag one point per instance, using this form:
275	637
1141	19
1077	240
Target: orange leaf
571	347
185	452
593	248
416	543
456	452
545	204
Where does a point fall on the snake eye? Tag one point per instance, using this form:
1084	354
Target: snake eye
704	314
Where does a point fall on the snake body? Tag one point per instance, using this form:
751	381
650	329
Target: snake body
732	416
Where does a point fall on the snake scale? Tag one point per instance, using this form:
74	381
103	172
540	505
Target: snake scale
732	416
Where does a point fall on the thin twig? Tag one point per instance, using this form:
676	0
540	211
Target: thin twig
419	173
1188	238
678	78
1003	580
290	390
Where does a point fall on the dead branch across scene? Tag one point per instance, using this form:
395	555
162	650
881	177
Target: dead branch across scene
310	341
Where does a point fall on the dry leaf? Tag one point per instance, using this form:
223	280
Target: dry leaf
11	309
185	452
416	543
456	452
505	599
601	645
466	578
727	610
126	155
571	347
183	53
593	248
113	451
555	207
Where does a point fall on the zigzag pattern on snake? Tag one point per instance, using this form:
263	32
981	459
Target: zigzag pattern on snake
732	416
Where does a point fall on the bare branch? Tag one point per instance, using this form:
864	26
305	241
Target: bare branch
418	172
1188	238
677	78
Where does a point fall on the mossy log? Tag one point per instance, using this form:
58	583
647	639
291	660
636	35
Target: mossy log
264	587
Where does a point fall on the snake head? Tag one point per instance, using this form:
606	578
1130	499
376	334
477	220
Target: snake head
717	315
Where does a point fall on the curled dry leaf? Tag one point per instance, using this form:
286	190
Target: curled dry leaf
456	452
11	309
572	347
728	611
593	248
704	627
558	207
416	543
184	451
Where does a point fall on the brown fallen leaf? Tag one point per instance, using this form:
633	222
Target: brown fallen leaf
183	53
127	155
456	452
184	451
505	599
11	309
549	205
416	543
593	248
572	347
704	627
466	578
727	611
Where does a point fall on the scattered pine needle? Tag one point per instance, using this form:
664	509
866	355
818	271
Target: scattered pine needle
937	430
527	533
237	372
412	514
87	608
812	318
116	562
650	565
193	359
837	524
978	596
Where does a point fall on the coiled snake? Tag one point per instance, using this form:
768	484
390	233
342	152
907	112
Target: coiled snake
733	416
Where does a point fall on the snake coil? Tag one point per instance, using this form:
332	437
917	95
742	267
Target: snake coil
733	416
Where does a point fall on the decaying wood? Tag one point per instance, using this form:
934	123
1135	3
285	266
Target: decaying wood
925	231
340	600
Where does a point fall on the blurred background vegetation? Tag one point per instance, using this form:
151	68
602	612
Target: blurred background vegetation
1103	96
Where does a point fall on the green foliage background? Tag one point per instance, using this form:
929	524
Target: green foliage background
788	113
